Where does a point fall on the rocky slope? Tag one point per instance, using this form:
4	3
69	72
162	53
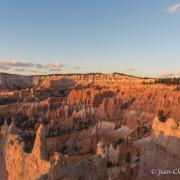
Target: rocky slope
8	81
160	156
87	126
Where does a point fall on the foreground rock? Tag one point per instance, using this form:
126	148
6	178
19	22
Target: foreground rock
160	158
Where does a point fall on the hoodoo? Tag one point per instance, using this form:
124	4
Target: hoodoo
91	126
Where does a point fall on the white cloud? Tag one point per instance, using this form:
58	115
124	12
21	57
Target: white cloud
56	65
28	67
173	9
15	63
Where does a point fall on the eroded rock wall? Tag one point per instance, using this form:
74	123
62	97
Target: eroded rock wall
160	157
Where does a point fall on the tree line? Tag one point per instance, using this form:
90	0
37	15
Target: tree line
168	81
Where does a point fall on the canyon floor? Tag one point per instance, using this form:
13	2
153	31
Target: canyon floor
88	127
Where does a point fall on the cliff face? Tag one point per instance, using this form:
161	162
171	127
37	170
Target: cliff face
85	79
20	165
37	165
92	126
8	81
112	95
160	157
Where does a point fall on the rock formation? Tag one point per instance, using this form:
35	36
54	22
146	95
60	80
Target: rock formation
87	126
160	157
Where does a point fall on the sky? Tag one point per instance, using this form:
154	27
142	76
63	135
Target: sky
138	37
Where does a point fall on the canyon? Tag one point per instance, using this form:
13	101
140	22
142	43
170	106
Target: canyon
88	126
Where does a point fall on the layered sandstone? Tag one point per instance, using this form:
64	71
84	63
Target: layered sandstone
8	81
86	126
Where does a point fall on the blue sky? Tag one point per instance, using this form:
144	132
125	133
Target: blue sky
139	37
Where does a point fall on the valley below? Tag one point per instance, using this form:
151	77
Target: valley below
88	127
